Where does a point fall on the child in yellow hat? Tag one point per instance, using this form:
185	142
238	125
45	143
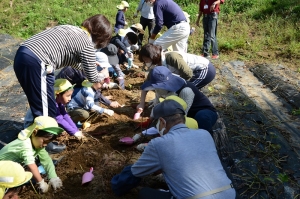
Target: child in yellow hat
12	175
31	143
63	90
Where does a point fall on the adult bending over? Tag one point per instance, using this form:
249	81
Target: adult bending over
168	13
196	69
60	46
187	158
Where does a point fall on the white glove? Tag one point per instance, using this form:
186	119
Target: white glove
78	134
108	112
126	23
136	137
151	41
135	14
55	183
43	186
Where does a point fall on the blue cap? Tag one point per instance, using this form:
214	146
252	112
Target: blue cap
162	78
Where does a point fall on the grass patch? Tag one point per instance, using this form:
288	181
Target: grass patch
246	27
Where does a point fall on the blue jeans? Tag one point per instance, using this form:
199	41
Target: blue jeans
206	119
210	23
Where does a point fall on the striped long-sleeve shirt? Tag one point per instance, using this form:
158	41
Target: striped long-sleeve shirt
85	98
65	45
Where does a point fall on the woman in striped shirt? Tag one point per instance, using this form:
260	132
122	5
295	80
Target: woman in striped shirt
60	46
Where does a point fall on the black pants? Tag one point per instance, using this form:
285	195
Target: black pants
148	193
145	23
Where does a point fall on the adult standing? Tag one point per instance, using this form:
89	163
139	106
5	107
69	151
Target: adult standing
210	10
187	158
146	20
60	46
168	13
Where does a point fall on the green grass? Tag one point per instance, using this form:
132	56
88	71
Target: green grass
246	27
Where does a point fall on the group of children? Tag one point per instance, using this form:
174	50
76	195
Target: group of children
77	98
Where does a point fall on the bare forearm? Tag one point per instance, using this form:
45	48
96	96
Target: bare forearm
35	172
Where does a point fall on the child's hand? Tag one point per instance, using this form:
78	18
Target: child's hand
115	104
43	186
55	183
108	112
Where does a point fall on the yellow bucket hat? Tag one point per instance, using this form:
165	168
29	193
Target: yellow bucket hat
12	174
87	83
44	123
61	85
191	123
177	99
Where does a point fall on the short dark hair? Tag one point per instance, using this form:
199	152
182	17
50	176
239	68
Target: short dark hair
151	51
45	134
132	37
100	29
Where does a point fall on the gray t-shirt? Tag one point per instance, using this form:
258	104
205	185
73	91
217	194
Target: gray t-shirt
189	163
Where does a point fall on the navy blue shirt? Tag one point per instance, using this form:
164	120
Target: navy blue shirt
200	100
120	19
167	13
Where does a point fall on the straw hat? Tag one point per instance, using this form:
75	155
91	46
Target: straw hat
123	5
12	174
139	27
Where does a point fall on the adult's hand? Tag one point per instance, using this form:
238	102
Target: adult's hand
140	108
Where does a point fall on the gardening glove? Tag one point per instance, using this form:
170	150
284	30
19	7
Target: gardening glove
135	15
136	137
55	183
151	41
43	186
80	136
108	112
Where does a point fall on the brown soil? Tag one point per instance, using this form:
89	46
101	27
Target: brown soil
249	123
102	150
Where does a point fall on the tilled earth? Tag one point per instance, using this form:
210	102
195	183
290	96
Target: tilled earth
263	135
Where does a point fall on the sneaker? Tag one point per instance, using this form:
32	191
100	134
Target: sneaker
141	147
136	137
215	57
